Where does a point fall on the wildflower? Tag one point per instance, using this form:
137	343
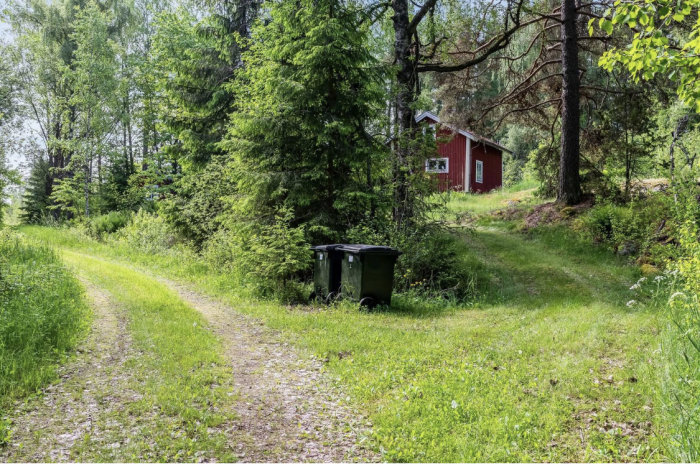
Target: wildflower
638	284
674	296
658	278
631	303
454	404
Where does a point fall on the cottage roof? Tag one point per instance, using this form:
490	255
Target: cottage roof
468	134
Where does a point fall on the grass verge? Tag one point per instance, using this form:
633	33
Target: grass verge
42	316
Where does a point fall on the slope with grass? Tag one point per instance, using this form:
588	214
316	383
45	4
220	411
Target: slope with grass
460	206
548	363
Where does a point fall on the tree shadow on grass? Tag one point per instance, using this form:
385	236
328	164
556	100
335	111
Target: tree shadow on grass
549	266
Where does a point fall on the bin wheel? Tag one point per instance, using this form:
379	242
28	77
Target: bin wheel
331	297
368	302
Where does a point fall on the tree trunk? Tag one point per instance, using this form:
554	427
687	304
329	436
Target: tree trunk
628	156
405	114
246	11
125	154
88	179
131	166
569	189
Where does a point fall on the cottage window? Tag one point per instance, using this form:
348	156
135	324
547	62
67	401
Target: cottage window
479	171
438	165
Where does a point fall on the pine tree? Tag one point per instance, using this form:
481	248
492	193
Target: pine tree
194	59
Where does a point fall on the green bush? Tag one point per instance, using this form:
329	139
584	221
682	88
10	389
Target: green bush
641	229
42	315
275	261
108	223
430	263
148	233
272	259
597	224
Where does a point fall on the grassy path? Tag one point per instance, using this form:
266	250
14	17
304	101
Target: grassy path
566	325
288	409
80	414
169	375
548	365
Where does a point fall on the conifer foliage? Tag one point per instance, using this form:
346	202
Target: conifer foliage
299	140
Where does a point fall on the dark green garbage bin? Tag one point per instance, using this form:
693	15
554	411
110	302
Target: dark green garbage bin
327	259
367	273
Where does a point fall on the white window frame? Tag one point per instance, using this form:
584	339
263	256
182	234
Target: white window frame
437	171
479	172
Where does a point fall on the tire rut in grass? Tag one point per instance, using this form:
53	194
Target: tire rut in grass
289	411
75	418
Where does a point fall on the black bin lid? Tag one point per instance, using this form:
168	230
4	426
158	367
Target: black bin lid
331	247
371	249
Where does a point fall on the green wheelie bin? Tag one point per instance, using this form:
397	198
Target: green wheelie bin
367	273
327	259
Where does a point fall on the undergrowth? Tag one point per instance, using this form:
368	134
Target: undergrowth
42	316
680	380
641	229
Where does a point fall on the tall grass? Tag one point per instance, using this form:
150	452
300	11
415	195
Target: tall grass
680	378
42	315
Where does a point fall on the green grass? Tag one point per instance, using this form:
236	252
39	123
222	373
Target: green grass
547	365
185	382
461	206
182	373
42	316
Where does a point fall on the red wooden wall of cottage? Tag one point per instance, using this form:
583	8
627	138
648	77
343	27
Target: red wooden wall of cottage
453	146
493	167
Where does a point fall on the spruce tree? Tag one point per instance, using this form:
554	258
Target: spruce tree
36	201
298	141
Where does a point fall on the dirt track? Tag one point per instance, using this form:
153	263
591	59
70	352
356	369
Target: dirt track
287	409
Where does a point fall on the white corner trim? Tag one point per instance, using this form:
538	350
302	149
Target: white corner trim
468	168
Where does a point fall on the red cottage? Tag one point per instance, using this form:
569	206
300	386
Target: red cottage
464	156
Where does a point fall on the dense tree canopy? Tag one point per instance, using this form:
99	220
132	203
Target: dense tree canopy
222	115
